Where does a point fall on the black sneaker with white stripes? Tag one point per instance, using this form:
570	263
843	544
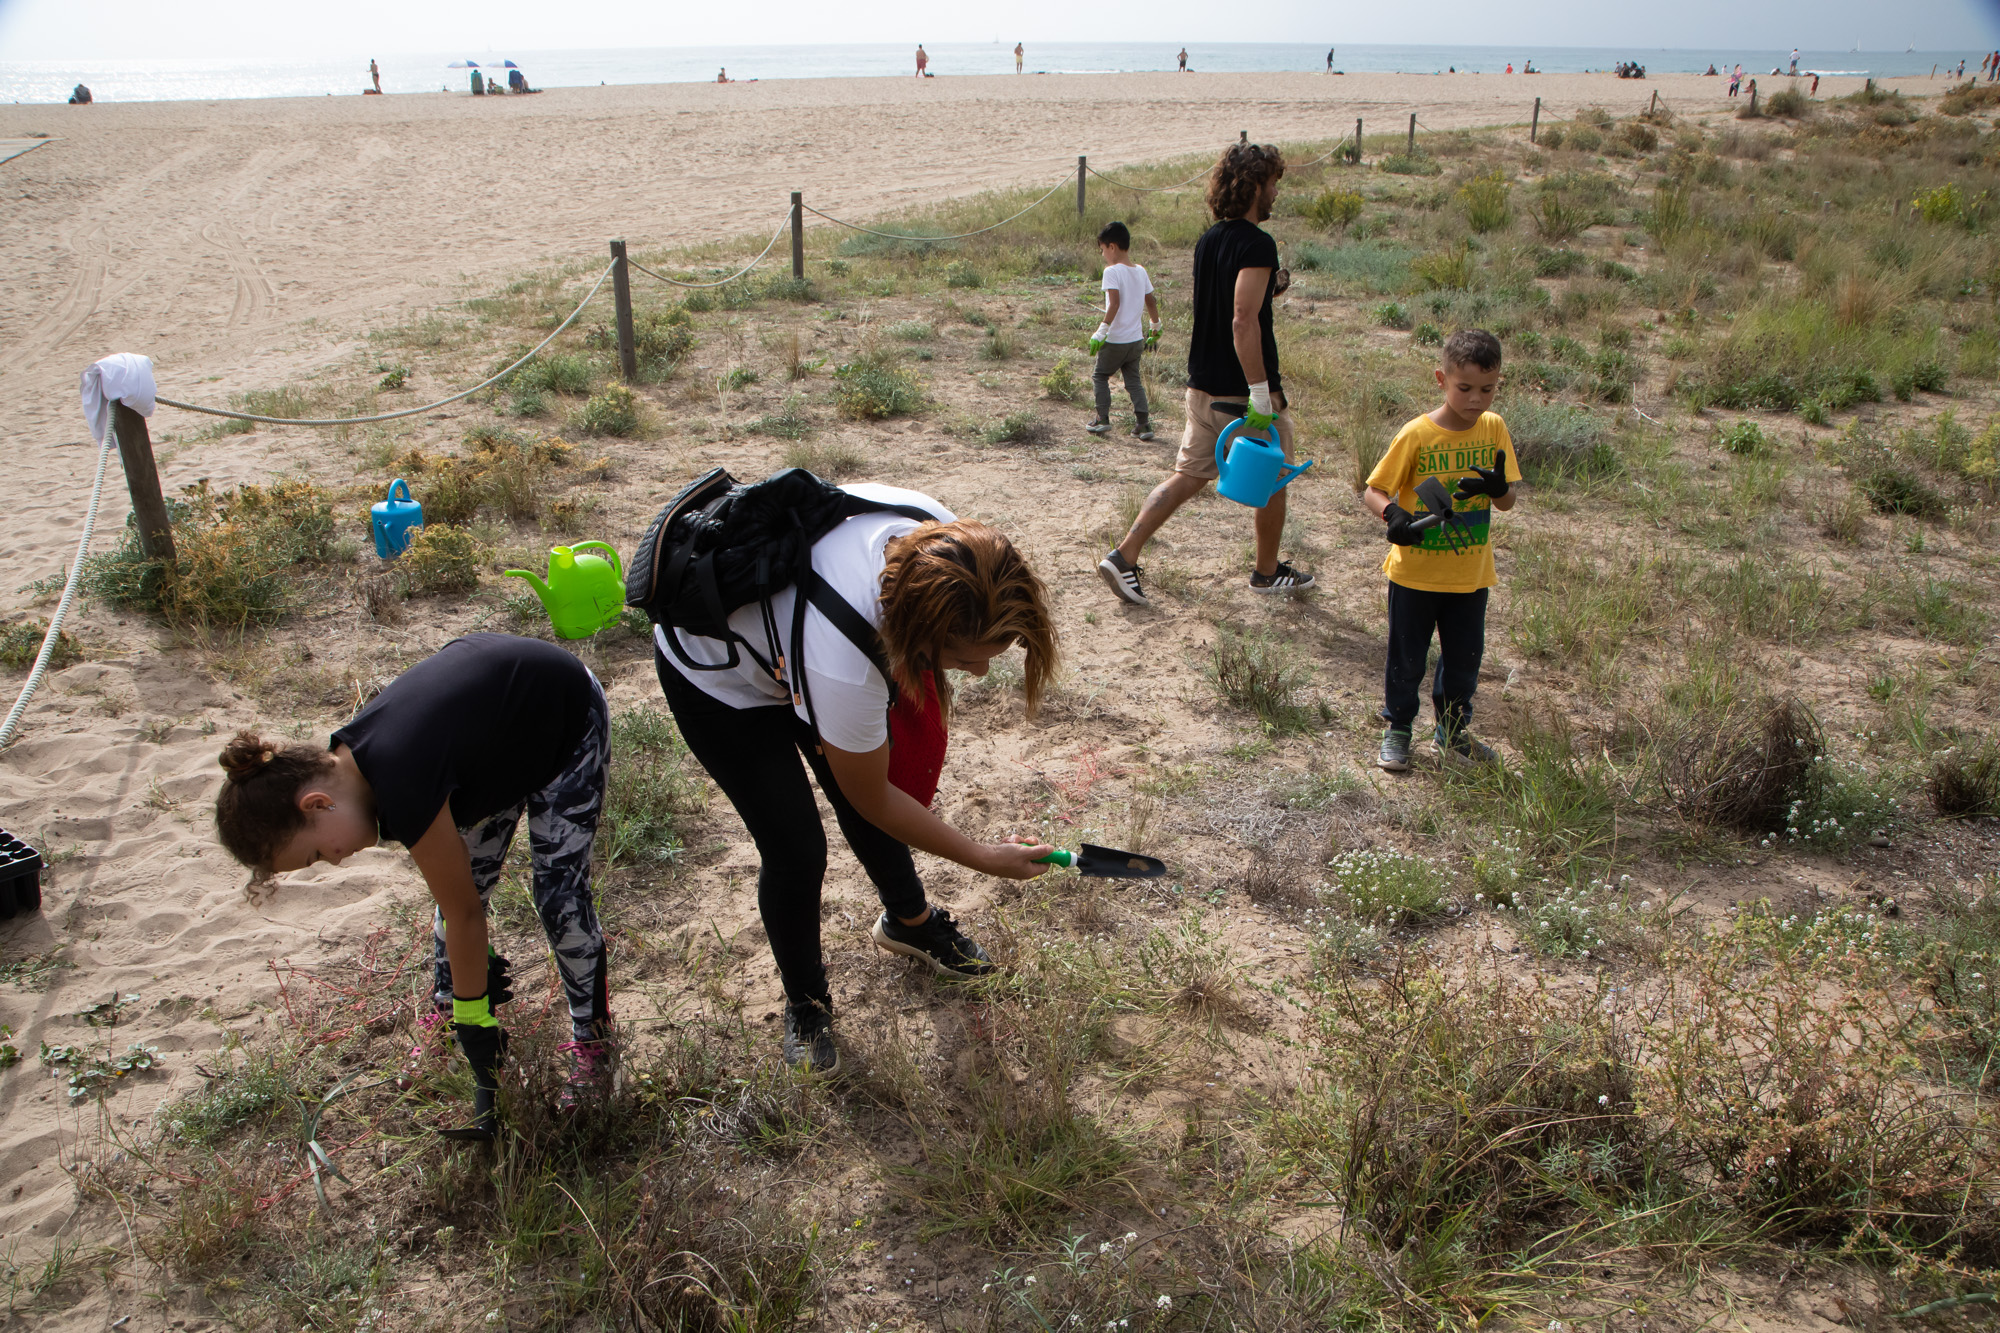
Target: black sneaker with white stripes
1282	579
1122	578
937	940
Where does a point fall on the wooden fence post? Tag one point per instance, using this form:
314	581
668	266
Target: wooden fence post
142	478
1080	166
798	234
1753	99
1243	136
1535	122
621	292
1656	102
1412	149
1357	141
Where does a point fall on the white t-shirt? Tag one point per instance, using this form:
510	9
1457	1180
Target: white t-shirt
1133	287
849	696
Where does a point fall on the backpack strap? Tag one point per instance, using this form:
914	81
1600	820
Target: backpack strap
842	615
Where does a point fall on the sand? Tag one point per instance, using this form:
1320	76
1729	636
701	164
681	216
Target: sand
241	244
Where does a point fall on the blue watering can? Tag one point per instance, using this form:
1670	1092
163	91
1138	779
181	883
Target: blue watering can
393	519
1253	471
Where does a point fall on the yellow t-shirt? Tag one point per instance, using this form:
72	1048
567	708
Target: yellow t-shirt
1421	449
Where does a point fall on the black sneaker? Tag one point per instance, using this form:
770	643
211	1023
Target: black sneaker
1122	578
1395	755
1463	748
938	941
1143	431
1099	428
1282	579
809	1047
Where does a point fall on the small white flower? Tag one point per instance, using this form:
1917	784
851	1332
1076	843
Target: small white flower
1029	1280
1165	1302
1603	1099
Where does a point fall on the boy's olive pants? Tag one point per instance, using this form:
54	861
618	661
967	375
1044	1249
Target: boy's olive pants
1112	358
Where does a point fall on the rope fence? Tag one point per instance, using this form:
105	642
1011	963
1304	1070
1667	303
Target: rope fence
408	411
899	236
1156	189
676	282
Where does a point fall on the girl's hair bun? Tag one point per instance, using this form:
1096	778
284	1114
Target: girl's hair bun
245	756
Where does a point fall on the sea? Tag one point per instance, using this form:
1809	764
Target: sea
30	81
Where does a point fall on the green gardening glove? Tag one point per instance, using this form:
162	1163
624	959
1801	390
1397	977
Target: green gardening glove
1256	420
1152	337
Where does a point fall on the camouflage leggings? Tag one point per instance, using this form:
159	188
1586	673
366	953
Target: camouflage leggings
562	823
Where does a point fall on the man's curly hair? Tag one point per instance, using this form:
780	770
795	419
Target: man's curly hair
1242	170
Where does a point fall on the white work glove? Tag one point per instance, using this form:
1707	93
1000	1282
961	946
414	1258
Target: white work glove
1260	414
1097	338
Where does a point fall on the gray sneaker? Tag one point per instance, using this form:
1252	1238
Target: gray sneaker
809	1047
1395	755
1099	428
1462	748
1122	578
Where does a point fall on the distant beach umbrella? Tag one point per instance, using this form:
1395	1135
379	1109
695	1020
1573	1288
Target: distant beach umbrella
463	64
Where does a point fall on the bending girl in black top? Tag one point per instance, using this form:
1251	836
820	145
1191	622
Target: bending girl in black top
444	760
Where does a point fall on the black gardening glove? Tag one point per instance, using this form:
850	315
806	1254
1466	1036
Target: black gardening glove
499	979
1491	481
484	1042
1398	520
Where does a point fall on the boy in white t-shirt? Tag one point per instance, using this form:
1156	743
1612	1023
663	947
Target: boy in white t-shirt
1119	340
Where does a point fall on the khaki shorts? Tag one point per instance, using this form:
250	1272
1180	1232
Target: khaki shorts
1204	424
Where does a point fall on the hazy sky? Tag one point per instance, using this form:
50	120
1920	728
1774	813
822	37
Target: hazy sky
81	29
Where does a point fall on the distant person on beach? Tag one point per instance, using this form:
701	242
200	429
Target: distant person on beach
1814	92
1711	73
1232	368
1120	341
478	84
375	73
1020	54
1795	62
1510	67
722	76
1183	60
1329	60
922	60
79	96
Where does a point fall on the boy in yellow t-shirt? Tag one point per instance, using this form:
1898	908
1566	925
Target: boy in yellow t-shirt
1438	577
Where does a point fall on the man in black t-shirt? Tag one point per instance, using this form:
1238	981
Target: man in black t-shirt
1232	366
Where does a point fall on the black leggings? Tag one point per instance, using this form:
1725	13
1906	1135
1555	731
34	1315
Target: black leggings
753	755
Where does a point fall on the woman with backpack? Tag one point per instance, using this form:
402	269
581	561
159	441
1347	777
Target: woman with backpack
859	689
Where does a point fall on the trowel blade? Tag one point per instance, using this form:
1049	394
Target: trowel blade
1110	863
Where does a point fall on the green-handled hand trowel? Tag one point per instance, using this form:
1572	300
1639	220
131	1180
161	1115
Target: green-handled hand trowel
1107	863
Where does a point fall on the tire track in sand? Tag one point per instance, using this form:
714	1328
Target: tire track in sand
92	244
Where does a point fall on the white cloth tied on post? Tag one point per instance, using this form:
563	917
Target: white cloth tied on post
124	377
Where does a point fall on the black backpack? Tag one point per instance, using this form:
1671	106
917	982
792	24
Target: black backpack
720	545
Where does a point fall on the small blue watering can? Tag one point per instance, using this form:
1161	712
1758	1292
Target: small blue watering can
1255	470
393	519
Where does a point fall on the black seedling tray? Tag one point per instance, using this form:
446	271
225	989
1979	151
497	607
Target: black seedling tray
20	878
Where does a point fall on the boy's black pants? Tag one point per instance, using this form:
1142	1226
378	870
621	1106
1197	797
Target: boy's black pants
1459	621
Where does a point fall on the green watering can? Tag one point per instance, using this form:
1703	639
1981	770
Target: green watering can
584	593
